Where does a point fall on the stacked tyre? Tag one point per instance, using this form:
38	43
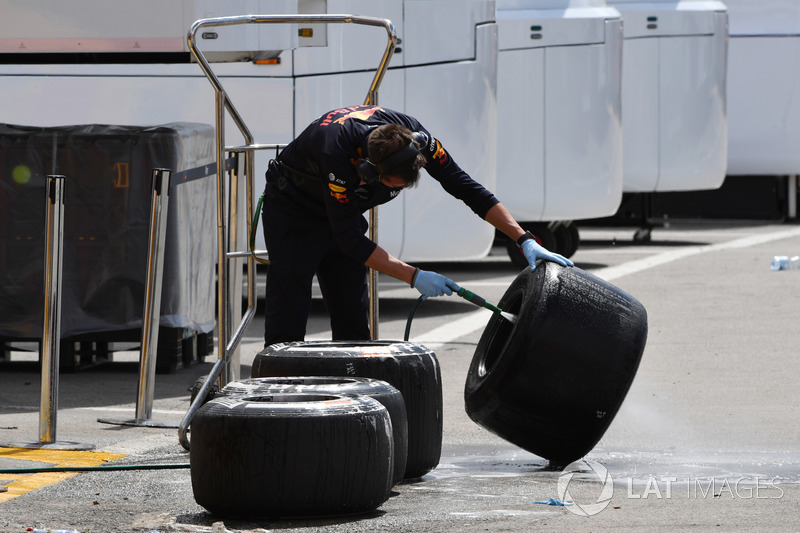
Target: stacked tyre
553	382
381	391
292	454
411	368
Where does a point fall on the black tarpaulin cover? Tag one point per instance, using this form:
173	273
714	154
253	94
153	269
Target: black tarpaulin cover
108	195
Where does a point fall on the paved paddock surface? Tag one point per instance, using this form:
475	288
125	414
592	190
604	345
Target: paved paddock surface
707	439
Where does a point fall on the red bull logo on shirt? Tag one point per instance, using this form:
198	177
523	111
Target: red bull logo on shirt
440	154
359	112
339	192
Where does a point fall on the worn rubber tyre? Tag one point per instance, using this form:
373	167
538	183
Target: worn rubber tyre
411	368
387	395
290	455
553	382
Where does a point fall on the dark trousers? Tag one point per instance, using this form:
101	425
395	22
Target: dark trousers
297	251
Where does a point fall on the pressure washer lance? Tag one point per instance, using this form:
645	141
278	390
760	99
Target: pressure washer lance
481	302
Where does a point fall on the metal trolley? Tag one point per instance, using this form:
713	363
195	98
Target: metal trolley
228	229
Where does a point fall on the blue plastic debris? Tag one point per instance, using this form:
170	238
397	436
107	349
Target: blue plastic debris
554	501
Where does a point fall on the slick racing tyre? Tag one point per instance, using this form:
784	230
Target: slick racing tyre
410	368
290	455
388	396
553	382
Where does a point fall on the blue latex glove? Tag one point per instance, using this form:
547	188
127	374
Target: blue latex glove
533	251
432	284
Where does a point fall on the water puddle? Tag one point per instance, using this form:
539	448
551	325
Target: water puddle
634	468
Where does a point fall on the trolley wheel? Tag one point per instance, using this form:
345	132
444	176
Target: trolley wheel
213	392
289	455
388	396
553	382
411	368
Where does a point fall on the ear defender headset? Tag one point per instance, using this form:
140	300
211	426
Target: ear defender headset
372	172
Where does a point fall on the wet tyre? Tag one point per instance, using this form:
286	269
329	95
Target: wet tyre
291	455
411	368
387	395
553	382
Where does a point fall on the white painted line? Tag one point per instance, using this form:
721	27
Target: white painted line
131	409
485	283
142	444
478	319
632	267
462	327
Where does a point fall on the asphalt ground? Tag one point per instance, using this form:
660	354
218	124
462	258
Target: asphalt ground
706	440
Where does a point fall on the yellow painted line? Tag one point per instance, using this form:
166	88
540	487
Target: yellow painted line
19	484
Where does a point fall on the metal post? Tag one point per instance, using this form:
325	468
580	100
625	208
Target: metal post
223	304
374	318
51	334
374	307
792	197
152	306
236	241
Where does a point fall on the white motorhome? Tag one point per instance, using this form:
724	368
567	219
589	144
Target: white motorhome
674	94
118	62
763	81
559	114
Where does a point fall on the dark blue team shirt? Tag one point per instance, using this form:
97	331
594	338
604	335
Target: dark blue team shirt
330	150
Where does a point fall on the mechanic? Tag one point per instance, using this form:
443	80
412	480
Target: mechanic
344	163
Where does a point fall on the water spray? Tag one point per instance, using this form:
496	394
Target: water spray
481	302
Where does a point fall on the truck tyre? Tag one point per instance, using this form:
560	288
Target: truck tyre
388	396
576	239
411	368
544	236
291	455
553	382
567	239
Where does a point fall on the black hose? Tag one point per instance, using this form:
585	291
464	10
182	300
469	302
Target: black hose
411	317
92	468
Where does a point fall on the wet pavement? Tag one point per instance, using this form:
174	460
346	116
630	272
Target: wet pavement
705	440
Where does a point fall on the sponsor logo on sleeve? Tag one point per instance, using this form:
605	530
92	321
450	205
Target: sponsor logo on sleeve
440	154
